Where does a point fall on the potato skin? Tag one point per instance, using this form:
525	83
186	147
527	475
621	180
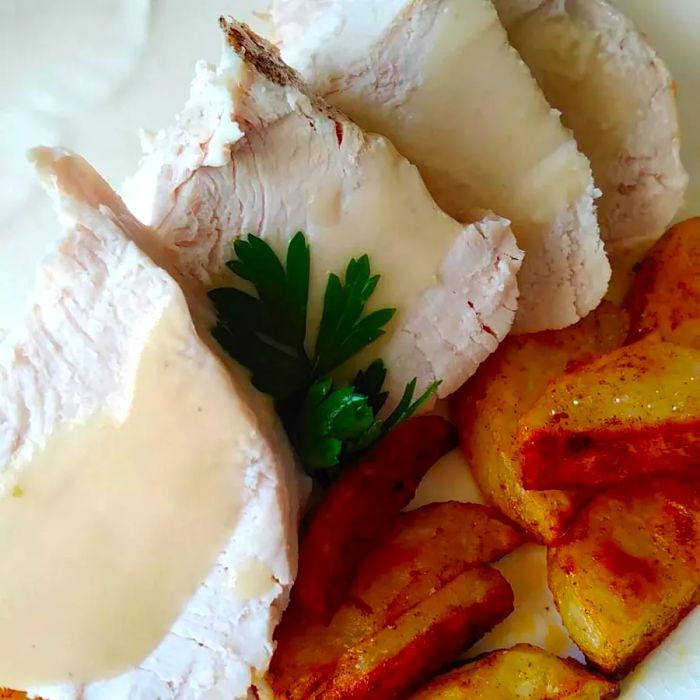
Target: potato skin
523	672
489	407
360	506
436	536
665	294
426	549
628	569
423	639
632	412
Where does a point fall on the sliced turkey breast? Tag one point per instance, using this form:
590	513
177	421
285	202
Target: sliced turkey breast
439	78
618	98
255	152
148	500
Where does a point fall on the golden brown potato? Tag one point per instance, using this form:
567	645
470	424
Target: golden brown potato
489	407
306	651
424	551
521	673
360	506
628	570
434	537
632	412
416	644
665	294
6	694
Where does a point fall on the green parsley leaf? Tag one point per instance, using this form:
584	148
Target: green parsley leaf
344	331
247	333
339	424
370	382
331	417
283	293
406	406
266	332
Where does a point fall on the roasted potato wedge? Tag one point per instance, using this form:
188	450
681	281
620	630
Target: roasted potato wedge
11	695
489	407
628	569
424	551
634	411
360	506
665	294
404	654
436	536
524	672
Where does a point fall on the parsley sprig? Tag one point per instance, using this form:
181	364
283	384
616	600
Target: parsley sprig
266	332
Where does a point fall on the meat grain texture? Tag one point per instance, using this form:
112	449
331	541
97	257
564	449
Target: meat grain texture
618	97
98	297
254	151
440	79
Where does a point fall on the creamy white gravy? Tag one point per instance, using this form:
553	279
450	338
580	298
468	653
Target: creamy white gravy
112	525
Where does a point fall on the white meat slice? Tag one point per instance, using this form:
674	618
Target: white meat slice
617	96
255	151
97	299
439	79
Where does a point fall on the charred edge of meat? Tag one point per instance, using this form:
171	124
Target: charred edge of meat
265	58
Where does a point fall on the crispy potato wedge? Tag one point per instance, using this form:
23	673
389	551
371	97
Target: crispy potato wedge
436	536
634	411
628	569
424	551
6	694
404	654
524	672
665	294
307	652
489	407
360	506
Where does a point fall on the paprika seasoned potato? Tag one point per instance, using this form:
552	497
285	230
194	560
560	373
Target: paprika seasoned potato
665	294
632	412
438	535
418	643
628	569
359	507
524	672
11	695
424	550
489	407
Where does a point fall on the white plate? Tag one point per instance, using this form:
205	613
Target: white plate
165	39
